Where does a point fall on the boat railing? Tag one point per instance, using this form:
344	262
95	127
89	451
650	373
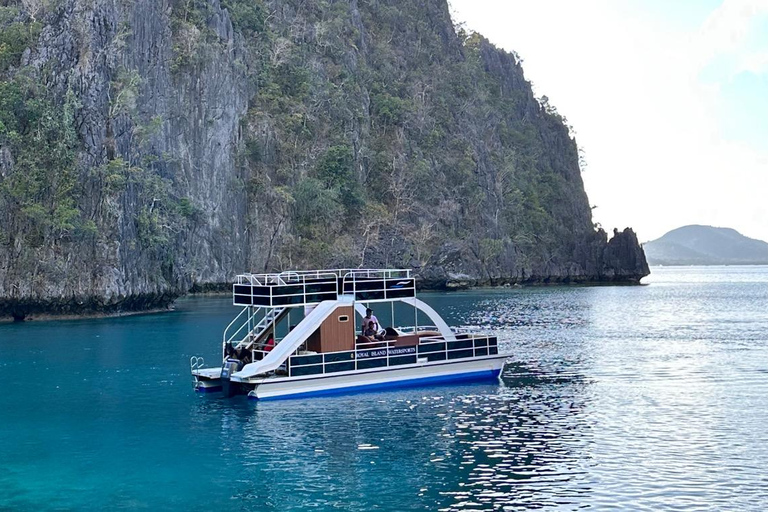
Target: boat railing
432	328
418	329
375	285
245	311
285	289
258	352
298	276
196	362
249	327
312	287
379	354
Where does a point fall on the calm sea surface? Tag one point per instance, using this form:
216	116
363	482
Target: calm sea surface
641	398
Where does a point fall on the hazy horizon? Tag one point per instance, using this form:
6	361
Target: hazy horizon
668	102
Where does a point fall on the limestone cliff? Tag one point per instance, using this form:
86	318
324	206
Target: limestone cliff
148	147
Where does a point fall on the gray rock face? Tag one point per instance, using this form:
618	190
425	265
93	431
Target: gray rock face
190	154
179	127
623	260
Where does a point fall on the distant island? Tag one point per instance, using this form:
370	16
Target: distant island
706	245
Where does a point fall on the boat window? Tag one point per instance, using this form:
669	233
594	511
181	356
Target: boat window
343	318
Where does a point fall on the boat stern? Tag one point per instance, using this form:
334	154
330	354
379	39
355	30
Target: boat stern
207	380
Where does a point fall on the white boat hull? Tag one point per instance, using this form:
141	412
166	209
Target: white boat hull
477	368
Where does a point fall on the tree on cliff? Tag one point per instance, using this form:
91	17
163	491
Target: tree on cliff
201	138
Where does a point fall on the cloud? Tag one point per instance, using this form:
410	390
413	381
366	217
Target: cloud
732	59
737	31
659	106
728	25
756	62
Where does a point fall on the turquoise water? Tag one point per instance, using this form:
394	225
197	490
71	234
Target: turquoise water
642	398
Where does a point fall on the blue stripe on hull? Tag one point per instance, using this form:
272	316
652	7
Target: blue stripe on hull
408	383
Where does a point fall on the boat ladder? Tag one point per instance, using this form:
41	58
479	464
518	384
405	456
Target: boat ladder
254	332
195	363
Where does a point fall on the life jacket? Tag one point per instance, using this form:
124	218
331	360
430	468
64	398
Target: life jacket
269	345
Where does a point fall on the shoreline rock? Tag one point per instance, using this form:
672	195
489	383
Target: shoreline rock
41	311
83	307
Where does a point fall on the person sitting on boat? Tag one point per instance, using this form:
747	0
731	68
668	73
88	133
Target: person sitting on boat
371	326
265	347
369	338
270	343
370	332
243	355
370	320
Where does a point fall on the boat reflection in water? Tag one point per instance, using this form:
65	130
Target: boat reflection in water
516	445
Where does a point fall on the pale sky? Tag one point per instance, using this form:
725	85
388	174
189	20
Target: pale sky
668	99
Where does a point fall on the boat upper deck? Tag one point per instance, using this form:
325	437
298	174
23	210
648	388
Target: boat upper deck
309	287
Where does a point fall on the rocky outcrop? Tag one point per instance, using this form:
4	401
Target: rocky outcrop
620	260
212	137
623	259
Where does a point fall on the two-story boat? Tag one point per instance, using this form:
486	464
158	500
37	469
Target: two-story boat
297	336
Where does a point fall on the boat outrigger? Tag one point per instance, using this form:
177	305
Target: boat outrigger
266	356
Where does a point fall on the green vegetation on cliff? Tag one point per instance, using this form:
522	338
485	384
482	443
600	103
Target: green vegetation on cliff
429	142
145	150
38	200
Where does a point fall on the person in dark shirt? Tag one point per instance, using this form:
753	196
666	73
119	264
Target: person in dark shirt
371	326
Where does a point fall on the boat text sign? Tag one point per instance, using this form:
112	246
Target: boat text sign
382	352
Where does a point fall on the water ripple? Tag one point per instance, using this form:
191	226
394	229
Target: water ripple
636	398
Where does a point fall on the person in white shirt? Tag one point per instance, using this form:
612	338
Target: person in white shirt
370	322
